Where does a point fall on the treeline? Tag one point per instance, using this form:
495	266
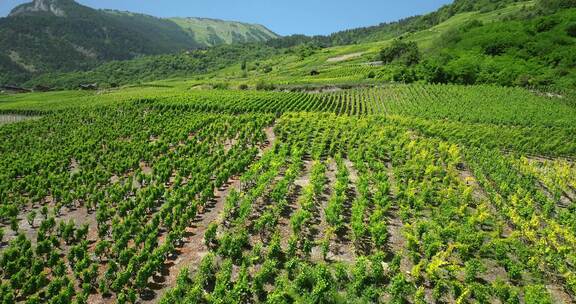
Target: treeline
390	30
151	68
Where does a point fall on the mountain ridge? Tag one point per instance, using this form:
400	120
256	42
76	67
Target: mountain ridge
63	36
44	7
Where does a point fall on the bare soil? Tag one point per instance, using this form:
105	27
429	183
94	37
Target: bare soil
396	240
558	294
194	248
345	57
145	167
189	255
13	118
300	183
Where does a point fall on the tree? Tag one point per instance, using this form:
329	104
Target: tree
406	53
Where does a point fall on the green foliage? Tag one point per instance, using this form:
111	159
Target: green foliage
232	244
571	30
412	191
554	5
472	269
156	67
400	288
264	86
85	38
531	52
210	234
536	294
406	53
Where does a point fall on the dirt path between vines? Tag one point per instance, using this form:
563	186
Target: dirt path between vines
299	184
396	240
495	271
345	57
322	225
194	249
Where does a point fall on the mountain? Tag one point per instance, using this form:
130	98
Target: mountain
63	35
60	8
215	32
527	44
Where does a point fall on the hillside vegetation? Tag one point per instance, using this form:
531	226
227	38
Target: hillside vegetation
211	32
524	44
62	35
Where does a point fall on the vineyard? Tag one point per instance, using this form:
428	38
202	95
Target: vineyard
389	194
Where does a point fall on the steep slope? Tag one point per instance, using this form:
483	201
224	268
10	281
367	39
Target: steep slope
60	8
393	29
515	45
62	35
214	32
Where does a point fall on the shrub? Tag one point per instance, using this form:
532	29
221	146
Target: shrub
553	5
220	86
571	30
545	25
537	294
210	234
404	52
267	69
232	244
494	48
264	86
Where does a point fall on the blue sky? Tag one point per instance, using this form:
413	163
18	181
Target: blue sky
284	17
